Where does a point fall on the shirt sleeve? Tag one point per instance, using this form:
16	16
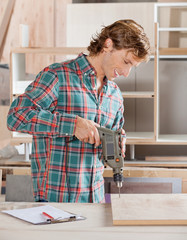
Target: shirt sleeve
34	111
119	120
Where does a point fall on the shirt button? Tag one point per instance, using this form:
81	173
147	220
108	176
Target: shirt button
66	134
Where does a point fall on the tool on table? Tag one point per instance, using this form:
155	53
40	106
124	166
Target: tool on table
112	153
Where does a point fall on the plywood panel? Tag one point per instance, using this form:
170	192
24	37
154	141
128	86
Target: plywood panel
184	186
60	25
0	180
40	19
149	209
149	172
166	158
84	20
151	185
142	187
4	132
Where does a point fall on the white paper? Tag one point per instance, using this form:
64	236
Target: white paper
34	215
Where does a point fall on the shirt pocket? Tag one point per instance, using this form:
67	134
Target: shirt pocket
108	112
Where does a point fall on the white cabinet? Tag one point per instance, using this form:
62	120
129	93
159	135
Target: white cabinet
175	54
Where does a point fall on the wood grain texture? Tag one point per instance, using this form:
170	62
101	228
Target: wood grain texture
0	180
149	172
142	187
5	23
184	186
149	209
5	134
166	158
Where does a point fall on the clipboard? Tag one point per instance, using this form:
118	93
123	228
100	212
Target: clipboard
43	215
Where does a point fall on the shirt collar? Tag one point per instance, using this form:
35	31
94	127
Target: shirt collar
84	65
86	68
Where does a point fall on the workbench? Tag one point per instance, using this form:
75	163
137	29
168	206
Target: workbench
97	226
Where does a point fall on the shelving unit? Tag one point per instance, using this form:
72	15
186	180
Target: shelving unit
19	82
166	53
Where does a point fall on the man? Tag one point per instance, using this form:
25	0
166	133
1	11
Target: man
64	106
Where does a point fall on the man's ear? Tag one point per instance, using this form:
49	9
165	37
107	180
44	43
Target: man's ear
108	46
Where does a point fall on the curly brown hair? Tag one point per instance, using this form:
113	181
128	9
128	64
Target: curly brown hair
125	34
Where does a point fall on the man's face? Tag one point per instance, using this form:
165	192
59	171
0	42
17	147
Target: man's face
118	62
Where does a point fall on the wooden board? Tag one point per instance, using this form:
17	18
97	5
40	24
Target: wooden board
5	23
0	180
142	187
166	158
184	186
149	172
5	134
149	209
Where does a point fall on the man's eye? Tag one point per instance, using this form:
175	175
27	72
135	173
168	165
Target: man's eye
125	62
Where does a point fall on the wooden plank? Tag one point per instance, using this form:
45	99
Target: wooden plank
138	94
50	50
156	119
22	171
142	187
5	23
60	25
0	180
14	163
149	209
5	134
175	183
155	164
166	158
184	186
149	172
173	51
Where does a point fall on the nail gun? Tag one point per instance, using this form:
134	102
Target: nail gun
112	153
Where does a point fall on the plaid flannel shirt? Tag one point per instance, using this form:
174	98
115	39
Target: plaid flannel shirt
66	172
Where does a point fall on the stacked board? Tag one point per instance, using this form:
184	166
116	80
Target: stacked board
149	209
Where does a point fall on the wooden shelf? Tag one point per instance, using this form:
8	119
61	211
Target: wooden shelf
173	51
176	139
140	137
138	94
52	51
172	29
154	164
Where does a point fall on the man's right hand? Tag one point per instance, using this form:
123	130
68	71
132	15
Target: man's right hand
86	131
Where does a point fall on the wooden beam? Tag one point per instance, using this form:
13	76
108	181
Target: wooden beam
5	23
166	158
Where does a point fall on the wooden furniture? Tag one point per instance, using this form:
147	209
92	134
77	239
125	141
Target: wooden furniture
154	137
149	209
98	225
172	53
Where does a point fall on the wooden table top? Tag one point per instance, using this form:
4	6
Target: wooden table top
98	225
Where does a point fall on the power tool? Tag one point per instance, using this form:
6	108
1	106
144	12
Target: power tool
111	146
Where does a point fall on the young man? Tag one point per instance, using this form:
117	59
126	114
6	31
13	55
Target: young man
72	99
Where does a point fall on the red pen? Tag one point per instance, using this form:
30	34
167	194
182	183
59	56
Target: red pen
47	215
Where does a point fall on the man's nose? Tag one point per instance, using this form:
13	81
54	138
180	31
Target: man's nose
126	71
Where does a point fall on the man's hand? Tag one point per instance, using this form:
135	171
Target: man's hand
123	146
86	131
